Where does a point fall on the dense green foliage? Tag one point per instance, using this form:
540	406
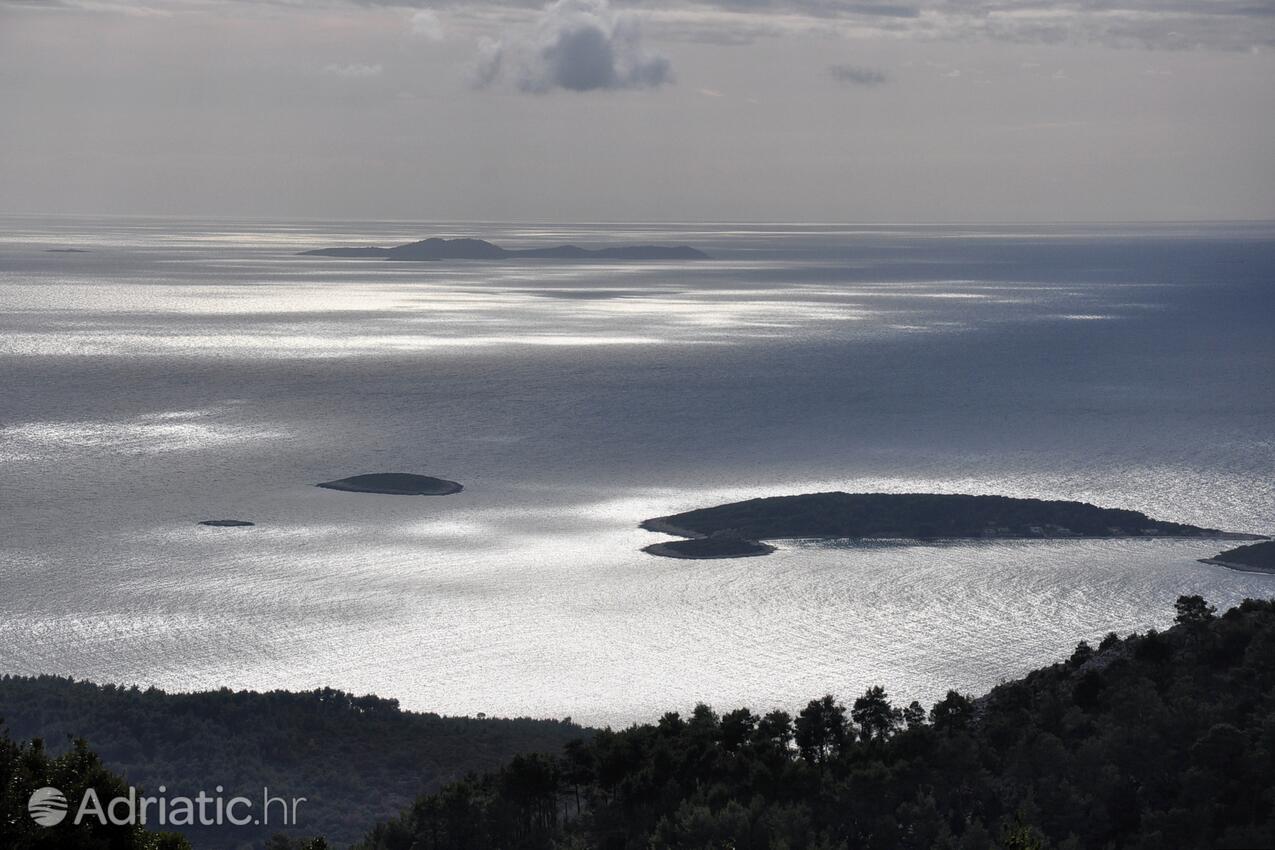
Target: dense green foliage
1257	556
915	515
354	759
28	766
1154	741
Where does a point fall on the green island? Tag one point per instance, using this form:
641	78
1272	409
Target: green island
903	516
1256	558
394	484
1142	742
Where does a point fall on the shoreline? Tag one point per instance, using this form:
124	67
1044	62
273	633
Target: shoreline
660	526
1235	565
666	549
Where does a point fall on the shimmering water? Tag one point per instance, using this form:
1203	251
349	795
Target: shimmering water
182	371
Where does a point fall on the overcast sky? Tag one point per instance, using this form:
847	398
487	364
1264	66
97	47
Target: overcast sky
584	110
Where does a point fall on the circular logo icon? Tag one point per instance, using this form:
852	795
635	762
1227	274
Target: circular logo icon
47	806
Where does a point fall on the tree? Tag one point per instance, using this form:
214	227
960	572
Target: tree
952	713
1193	611
775	731
671	723
914	714
1082	654
821	730
703	721
577	767
875	716
737	727
26	767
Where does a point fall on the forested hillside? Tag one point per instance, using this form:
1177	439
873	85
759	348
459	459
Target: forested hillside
355	759
27	766
1153	741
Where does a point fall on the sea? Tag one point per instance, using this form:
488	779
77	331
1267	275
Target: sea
175	370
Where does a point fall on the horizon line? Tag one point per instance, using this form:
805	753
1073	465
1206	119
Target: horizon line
664	222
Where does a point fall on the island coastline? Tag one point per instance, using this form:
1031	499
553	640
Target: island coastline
1255	558
912	517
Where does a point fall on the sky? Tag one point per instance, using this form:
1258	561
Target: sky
656	110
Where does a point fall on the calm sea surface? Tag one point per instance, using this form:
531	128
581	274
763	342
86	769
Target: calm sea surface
181	371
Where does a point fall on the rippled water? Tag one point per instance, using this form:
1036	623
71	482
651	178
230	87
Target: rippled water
182	371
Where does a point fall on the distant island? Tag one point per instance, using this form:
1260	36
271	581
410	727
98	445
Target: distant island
480	249
739	526
394	484
1254	558
66	250
226	523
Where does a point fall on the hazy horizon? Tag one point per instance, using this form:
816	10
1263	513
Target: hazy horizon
532	222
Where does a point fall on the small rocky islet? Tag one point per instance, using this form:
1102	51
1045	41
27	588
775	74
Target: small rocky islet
394	484
710	548
384	483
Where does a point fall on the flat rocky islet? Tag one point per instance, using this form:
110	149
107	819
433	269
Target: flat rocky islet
480	249
1254	558
709	548
226	523
394	484
906	516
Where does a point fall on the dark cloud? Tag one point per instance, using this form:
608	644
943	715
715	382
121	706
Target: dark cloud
857	75
577	45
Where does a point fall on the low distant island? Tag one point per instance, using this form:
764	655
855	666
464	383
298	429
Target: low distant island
1254	558
66	251
226	523
480	249
394	484
736	529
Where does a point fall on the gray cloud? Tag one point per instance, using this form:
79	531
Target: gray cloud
426	24
857	75
577	45
354	70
